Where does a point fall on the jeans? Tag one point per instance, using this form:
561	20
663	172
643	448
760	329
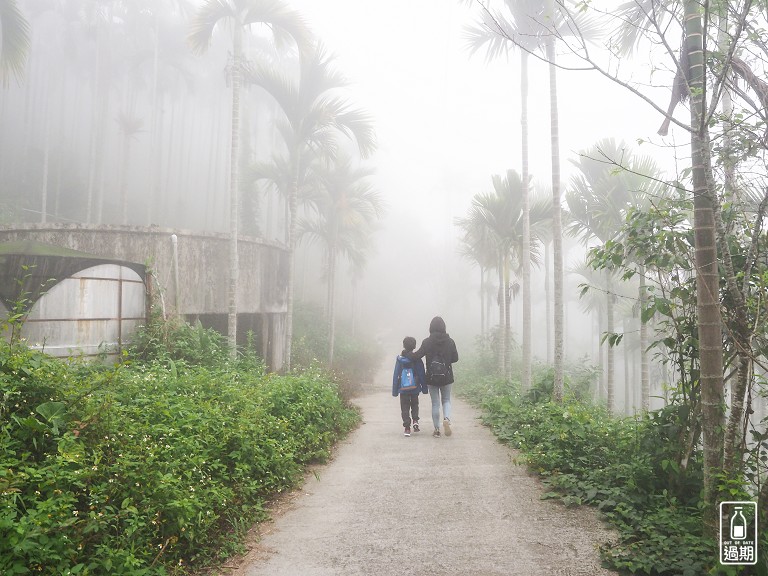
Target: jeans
440	395
409	406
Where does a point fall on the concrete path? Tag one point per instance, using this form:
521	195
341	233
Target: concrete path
388	505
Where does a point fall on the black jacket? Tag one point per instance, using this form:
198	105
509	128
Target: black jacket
440	342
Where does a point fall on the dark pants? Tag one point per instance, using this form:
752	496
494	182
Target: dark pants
409	406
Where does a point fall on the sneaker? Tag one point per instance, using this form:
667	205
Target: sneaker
407	431
436	433
447	426
416	427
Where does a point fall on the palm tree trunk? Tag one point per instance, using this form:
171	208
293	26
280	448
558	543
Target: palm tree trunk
525	379
488	304
707	277
95	137
610	351
331	303
601	391
502	333
293	228
628	388
645	388
732	453
507	322
482	301
548	297
557	226
234	186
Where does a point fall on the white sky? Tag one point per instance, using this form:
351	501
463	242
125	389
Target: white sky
446	121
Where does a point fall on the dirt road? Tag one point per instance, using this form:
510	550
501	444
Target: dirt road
388	505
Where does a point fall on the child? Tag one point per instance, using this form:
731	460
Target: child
407	381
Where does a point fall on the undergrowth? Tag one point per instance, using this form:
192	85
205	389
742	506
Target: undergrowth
625	467
154	466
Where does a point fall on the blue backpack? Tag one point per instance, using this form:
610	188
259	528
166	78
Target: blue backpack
408	380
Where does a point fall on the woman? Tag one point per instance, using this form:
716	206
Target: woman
441	353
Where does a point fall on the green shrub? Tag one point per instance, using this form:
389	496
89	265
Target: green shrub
174	339
628	469
150	468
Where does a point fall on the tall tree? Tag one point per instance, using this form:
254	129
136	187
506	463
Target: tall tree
347	208
552	21
552	13
241	15
315	114
476	245
492	32
707	274
713	38
495	219
610	180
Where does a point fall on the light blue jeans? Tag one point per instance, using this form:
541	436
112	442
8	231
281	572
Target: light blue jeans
440	395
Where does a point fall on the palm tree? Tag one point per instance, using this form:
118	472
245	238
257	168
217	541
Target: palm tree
496	219
346	211
592	301
14	33
551	20
707	274
610	180
315	114
476	245
490	217
689	84
241	15
557	226
492	33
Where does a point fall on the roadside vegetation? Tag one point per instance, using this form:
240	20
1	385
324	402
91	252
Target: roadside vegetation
158	465
628	468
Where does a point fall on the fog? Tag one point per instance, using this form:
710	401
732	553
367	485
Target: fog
447	120
116	121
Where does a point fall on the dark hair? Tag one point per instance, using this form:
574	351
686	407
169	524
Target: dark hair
437	325
409	343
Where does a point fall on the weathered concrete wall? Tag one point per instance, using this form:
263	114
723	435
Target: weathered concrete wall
203	263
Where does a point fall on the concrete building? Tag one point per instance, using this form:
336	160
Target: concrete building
182	272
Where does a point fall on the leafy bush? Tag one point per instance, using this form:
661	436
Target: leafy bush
627	468
149	468
174	339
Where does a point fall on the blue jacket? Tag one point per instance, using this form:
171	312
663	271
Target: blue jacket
404	361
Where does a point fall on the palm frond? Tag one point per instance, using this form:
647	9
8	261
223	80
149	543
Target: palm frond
286	24
488	33
358	124
317	71
277	174
210	14
276	82
14	35
638	18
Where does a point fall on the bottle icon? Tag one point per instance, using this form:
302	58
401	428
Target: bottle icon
738	525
